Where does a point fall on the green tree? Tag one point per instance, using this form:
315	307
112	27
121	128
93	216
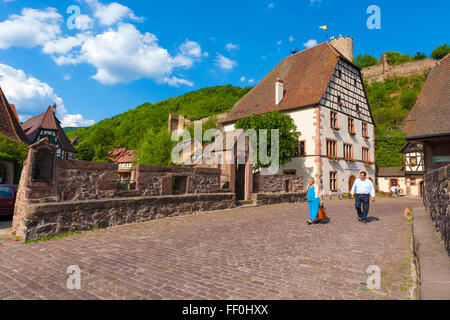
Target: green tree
128	129
15	152
388	144
440	52
396	58
420	56
270	121
157	148
408	99
364	61
85	151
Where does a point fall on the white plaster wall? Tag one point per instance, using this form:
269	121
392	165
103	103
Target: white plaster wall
229	127
304	120
343	136
306	166
383	185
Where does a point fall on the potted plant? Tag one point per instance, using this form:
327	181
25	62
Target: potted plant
333	158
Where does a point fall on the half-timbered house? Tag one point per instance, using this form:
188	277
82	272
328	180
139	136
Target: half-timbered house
323	92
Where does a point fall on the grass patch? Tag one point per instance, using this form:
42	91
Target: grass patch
60	236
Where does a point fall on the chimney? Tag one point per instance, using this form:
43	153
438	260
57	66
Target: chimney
279	91
344	46
54	108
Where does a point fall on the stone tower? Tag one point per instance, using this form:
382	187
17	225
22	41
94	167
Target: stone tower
344	45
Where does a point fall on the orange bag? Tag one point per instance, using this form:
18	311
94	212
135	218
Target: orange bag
322	214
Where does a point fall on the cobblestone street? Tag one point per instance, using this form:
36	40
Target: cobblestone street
249	253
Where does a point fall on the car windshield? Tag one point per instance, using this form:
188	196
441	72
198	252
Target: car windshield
6	192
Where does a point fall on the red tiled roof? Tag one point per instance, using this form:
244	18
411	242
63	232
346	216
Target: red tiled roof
13	108
431	114
305	75
122	155
47	121
9	123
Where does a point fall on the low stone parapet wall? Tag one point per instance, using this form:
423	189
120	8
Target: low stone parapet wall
436	200
45	219
275	198
277	183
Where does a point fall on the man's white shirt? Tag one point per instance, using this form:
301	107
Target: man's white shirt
363	187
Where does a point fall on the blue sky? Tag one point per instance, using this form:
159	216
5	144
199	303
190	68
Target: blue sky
118	55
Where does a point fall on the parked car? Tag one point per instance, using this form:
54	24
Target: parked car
7	200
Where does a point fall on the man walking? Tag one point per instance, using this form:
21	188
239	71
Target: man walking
364	189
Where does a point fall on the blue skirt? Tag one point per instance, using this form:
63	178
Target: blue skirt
314	207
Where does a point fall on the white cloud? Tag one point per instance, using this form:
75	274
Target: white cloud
224	63
30	29
109	14
124	54
279	42
231	47
67	77
291	39
75	120
315	2
120	54
176	82
251	81
83	22
271	5
310	43
31	96
189	52
242	79
64	45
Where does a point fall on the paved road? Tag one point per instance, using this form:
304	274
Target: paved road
249	253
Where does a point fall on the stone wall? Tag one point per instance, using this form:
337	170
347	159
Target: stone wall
45	219
383	71
151	180
436	200
82	180
57	196
275	198
277	183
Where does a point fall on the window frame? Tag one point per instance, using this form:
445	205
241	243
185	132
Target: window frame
334	143
334	120
348	148
334	181
366	154
351	126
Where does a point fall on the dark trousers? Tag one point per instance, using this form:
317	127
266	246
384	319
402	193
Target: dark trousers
364	201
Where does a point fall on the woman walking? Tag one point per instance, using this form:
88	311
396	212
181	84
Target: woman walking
315	200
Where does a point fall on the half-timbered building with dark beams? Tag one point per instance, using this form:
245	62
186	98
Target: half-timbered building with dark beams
324	93
47	125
